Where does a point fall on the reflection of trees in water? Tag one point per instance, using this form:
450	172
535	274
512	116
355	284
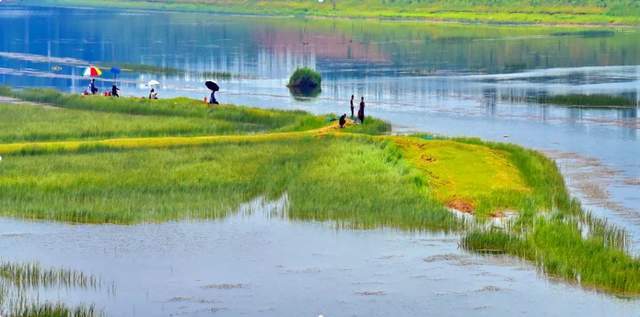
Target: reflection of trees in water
626	114
244	44
489	99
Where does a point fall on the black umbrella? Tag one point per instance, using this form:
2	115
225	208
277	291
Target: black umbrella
212	86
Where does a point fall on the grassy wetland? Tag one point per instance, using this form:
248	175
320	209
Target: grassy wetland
126	172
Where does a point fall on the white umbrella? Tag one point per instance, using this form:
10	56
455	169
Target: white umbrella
153	83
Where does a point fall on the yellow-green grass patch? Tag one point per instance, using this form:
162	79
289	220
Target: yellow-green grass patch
468	177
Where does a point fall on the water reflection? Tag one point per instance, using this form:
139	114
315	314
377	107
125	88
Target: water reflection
258	263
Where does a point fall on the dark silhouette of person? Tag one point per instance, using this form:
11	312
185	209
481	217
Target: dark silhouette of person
114	91
212	100
352	106
361	110
92	87
343	120
153	94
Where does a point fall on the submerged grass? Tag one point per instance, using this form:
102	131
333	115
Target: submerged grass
18	280
33	275
560	248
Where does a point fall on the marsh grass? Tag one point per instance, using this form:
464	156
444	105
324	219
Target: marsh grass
32	275
102	117
325	179
166	70
53	310
557	247
353	177
17	281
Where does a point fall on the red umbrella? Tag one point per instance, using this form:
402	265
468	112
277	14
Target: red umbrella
92	71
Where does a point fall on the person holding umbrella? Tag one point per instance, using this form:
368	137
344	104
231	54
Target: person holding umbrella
114	91
213	87
92	71
92	86
114	88
153	94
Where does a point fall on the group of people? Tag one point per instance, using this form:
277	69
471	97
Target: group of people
93	90
115	91
360	117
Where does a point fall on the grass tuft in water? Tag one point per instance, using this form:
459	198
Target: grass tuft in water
588	101
19	281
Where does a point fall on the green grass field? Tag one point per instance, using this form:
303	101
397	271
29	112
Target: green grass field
357	177
583	12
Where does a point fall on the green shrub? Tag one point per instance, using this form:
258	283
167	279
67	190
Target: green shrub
305	81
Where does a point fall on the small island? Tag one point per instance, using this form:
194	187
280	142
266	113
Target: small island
306	82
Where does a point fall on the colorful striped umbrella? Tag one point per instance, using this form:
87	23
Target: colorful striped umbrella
92	71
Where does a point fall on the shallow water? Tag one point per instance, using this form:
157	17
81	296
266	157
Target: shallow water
447	79
257	263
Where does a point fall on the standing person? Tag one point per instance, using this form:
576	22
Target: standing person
361	110
352	106
114	91
92	87
212	100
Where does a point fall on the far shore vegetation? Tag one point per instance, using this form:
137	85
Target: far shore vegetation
107	164
589	101
165	70
553	12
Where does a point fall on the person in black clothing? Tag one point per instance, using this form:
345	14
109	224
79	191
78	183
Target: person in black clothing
92	87
212	100
114	91
352	106
343	120
361	111
153	94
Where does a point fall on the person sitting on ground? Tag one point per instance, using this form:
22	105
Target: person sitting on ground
343	120
361	110
114	91
153	94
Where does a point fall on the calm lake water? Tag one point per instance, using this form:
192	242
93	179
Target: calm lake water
443	78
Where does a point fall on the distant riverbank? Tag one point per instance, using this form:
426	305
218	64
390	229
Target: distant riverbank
510	12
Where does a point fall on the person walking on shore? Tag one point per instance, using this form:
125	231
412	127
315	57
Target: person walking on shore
352	116
361	110
114	91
